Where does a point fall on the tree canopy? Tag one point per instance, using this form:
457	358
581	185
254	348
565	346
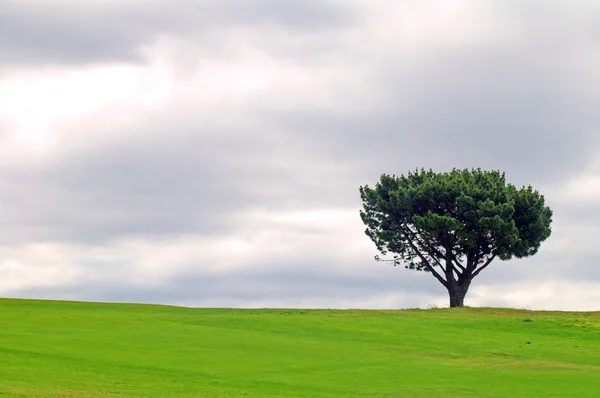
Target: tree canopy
453	224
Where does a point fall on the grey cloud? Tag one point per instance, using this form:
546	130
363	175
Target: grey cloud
74	33
191	180
526	104
488	108
179	178
298	284
104	193
54	33
258	283
298	15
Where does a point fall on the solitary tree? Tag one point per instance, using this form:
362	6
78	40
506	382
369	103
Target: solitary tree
453	224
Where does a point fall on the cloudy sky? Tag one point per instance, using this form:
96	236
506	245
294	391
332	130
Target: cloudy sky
209	152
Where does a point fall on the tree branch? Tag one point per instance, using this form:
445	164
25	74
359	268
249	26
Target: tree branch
427	265
483	266
433	249
437	262
457	274
416	237
458	264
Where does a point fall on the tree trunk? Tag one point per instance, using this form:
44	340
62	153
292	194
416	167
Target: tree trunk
457	293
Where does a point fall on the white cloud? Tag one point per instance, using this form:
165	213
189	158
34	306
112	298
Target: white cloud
35	104
585	188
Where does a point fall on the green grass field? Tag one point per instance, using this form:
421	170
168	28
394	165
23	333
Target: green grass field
71	349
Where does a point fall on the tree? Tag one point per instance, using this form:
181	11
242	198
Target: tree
453	224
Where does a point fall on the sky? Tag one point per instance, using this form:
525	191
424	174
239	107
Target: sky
208	153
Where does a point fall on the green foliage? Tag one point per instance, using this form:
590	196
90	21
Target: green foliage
457	221
77	350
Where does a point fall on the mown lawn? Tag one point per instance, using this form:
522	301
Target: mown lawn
71	349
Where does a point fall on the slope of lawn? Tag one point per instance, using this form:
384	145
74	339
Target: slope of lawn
71	349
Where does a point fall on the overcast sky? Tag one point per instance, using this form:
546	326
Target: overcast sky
209	153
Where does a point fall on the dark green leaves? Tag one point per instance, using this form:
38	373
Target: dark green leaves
459	219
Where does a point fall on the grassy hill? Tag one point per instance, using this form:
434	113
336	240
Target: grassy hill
71	349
